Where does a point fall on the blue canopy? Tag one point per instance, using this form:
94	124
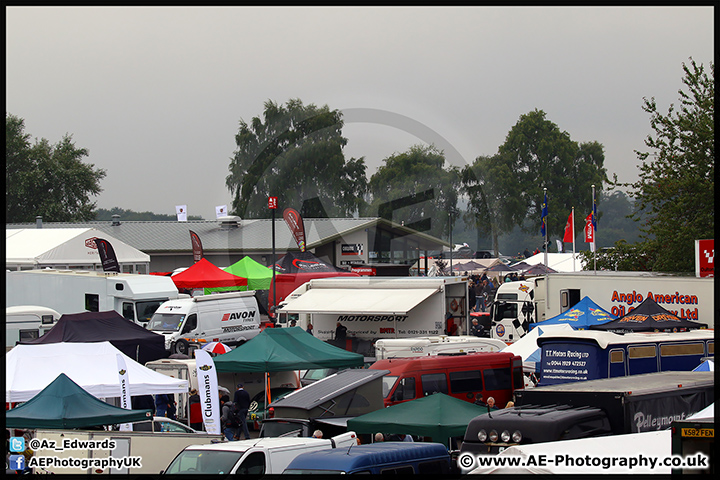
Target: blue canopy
580	316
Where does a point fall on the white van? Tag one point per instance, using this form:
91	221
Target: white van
264	456
231	318
27	322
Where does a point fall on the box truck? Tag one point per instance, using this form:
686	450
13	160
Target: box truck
134	296
231	318
520	303
373	308
613	406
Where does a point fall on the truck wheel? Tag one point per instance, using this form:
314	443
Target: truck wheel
181	346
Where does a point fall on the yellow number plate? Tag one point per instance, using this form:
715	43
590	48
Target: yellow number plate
698	432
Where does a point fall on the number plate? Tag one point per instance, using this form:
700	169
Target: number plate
698	432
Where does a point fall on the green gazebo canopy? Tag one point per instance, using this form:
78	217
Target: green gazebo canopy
258	276
284	349
64	404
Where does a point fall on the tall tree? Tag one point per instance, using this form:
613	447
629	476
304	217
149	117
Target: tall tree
676	190
45	179
540	155
414	188
295	153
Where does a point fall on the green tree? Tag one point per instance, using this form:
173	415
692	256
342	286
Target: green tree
48	180
102	214
413	188
493	206
295	153
676	190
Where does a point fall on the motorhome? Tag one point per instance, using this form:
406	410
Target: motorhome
463	376
231	318
27	322
424	346
134	296
588	355
373	308
520	303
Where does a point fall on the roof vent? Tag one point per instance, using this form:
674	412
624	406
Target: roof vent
115	220
230	221
38	221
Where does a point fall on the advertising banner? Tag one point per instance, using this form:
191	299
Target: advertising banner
125	401
197	247
107	256
297	228
705	258
208	390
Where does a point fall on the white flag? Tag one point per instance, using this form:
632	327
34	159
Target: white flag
221	211
208	390
559	245
181	211
125	401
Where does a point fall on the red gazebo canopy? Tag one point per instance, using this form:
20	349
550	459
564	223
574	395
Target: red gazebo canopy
206	275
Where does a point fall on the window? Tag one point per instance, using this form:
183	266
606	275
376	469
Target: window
497	378
617	356
254	464
641	352
470	381
26	335
47	319
404	470
405	390
683	349
128	311
434	383
388	383
191	324
92	302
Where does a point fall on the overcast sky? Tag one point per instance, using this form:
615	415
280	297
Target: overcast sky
156	94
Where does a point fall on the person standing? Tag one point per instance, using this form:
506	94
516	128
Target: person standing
227	419
472	296
196	421
340	331
242	405
309	329
476	329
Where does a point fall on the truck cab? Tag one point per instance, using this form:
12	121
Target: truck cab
513	310
492	432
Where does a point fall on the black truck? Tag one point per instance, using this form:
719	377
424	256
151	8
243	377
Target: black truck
592	408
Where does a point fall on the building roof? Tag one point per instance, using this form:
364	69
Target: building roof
226	235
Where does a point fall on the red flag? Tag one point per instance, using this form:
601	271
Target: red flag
297	228
569	229
589	229
196	246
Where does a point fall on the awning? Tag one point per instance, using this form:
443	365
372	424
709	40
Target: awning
376	301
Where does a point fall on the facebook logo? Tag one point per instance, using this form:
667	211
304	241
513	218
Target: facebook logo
17	462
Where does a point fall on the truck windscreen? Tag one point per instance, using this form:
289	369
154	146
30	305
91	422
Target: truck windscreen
161	322
145	310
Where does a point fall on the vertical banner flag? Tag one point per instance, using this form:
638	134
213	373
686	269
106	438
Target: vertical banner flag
544	215
196	246
295	223
594	212
220	211
589	232
124	390
208	390
705	258
107	256
570	229
181	211
559	244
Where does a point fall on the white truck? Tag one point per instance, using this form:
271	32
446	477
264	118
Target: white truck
27	322
373	308
517	304
100	451
231	318
264	456
134	296
442	344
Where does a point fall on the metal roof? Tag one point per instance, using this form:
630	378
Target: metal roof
246	235
328	388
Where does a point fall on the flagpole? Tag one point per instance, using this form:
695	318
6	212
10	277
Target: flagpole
547	287
594	223
573	234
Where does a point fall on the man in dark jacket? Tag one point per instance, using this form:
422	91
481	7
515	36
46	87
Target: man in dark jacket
242	403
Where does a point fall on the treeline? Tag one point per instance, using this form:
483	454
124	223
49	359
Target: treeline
102	214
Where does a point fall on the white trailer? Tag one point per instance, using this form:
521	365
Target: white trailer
134	296
27	322
517	304
424	346
379	307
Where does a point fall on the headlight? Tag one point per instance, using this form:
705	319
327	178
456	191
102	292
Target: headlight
516	436
505	436
493	436
482	435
